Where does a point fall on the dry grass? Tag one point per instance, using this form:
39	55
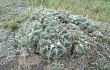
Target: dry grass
95	9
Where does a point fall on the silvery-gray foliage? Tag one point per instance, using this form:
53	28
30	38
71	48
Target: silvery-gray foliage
55	33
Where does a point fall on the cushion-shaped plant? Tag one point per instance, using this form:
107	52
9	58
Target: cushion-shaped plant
53	33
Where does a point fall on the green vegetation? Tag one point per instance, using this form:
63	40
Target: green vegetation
10	25
22	19
95	9
13	26
49	29
54	33
5	24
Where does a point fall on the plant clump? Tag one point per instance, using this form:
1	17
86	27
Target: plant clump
55	34
10	25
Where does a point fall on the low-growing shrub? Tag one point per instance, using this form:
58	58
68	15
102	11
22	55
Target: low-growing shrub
55	34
